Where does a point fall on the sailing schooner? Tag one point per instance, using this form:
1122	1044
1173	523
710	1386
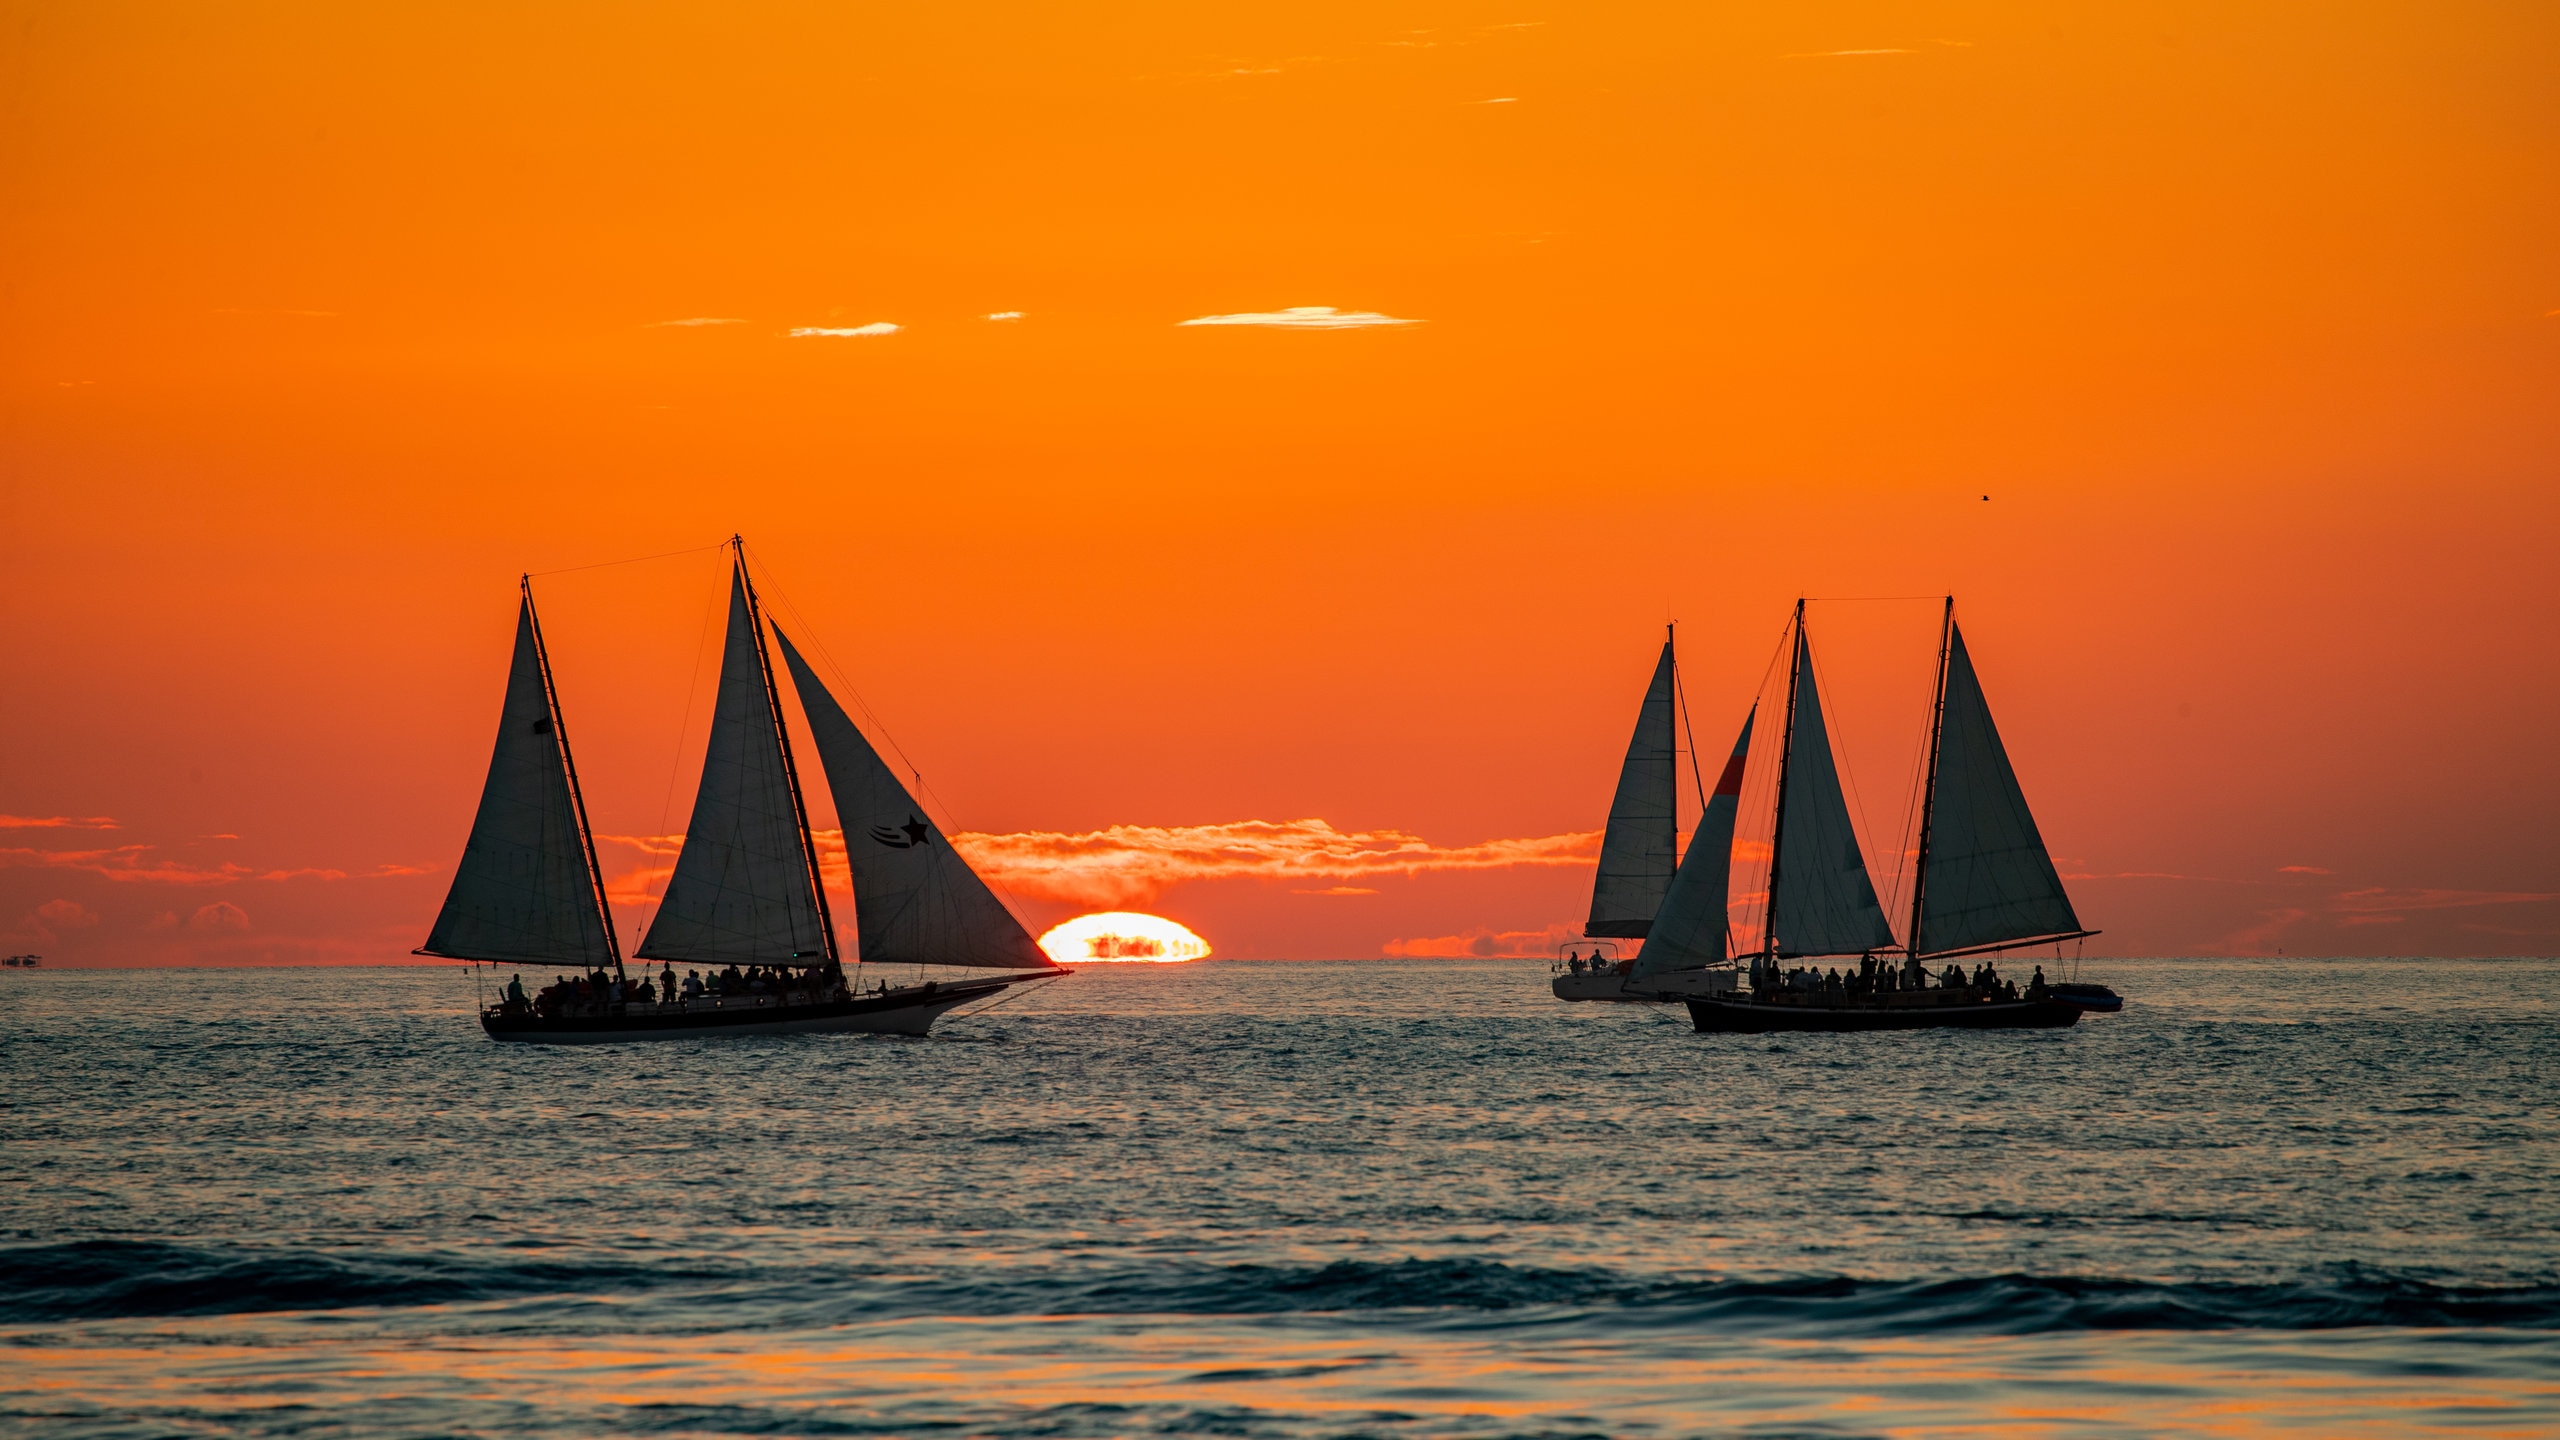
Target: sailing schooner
746	892
1645	889
1984	881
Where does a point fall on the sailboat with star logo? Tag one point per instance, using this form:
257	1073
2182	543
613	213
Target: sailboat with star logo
745	900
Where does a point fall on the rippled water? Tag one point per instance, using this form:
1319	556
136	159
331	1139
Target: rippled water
1282	1200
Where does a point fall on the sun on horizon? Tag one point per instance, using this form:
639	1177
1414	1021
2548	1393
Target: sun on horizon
1123	936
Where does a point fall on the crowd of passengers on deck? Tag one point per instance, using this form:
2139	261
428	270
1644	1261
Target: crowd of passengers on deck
1875	977
811	984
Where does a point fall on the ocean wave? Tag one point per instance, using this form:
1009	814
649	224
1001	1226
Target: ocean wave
115	1279
112	1279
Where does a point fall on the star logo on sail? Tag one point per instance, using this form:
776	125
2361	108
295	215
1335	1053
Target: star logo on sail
902	837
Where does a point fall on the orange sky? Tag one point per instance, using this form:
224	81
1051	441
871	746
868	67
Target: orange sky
322	322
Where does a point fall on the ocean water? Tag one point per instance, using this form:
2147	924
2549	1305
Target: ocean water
1234	1199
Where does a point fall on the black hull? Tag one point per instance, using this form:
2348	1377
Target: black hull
1744	1016
910	1010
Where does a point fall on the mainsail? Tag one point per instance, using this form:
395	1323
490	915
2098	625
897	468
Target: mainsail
915	901
1820	899
1641	847
1689	929
1984	877
526	890
745	888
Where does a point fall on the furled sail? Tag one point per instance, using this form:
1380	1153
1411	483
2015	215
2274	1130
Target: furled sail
1820	899
1984	875
524	892
1689	929
915	901
1641	847
744	891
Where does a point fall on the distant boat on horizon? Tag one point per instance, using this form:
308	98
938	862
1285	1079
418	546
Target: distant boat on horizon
746	899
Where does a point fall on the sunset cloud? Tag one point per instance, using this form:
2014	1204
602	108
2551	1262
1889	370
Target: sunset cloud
68	914
1828	54
1005	315
130	864
55	822
1304	317
876	327
1484	944
1127	863
217	917
2378	899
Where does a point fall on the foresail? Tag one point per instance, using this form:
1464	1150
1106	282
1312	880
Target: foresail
1641	847
915	901
742	892
1689	930
1822	898
522	892
1988	879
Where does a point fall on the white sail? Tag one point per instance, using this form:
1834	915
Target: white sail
743	892
1641	847
523	892
1689	930
1820	899
1986	878
915	901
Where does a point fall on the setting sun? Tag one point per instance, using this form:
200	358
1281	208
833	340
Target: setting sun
1123	935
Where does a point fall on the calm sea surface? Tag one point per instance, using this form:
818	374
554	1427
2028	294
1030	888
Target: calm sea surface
1398	1198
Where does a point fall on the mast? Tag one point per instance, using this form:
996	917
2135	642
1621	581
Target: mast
1786	753
790	769
1671	649
1929	785
577	797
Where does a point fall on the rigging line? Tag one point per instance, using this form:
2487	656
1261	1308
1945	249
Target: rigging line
1760	777
675	763
845	678
1021	988
634	560
1909	857
1681	693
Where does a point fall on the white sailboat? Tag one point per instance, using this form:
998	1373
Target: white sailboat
745	898
1645	889
1983	882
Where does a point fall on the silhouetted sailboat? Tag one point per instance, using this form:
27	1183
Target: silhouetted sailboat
746	892
1983	881
1644	888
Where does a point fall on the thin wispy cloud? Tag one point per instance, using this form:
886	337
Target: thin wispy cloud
1304	317
1484	944
135	864
876	327
1005	315
1500	100
56	822
693	322
2378	898
1829	54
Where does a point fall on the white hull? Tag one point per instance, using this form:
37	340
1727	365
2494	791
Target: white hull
1648	990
